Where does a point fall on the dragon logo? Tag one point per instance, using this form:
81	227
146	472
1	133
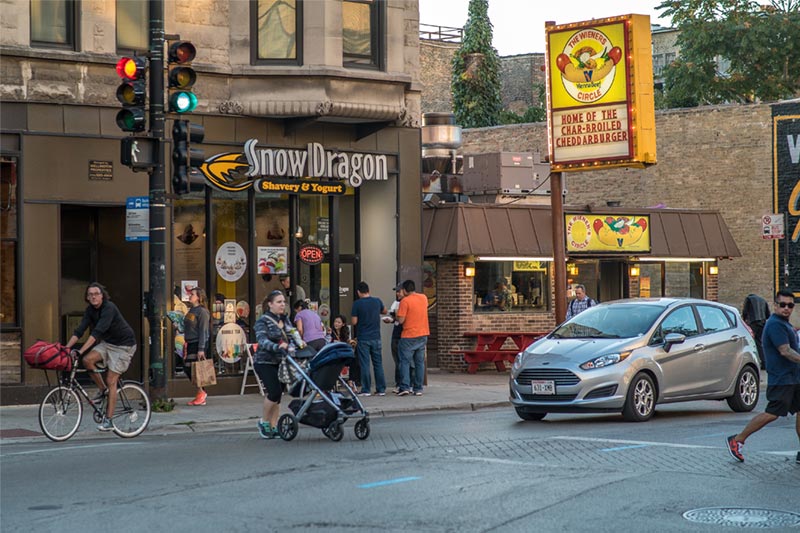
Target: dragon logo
227	171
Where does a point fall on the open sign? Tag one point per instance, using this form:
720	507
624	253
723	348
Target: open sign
311	254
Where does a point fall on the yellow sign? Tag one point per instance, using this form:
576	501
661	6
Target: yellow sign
600	94
529	266
607	233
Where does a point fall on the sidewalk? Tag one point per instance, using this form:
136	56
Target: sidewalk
445	391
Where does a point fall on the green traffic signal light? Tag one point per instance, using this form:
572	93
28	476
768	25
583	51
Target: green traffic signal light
131	119
182	102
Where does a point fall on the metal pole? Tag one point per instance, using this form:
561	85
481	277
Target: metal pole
559	247
157	247
786	250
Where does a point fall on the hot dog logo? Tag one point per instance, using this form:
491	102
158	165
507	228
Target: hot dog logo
588	65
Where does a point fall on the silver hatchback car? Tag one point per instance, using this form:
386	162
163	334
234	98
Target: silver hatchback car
629	355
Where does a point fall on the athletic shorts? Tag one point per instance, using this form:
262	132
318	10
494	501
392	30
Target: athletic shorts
116	358
783	399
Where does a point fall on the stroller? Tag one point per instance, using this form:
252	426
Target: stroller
318	404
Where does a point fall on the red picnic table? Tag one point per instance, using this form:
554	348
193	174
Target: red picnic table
489	347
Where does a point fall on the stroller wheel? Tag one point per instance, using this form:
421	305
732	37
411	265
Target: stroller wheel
287	427
362	429
334	431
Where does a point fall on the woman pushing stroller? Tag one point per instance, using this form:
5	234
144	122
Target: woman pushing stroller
273	334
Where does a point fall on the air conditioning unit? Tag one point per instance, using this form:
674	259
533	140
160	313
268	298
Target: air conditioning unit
510	173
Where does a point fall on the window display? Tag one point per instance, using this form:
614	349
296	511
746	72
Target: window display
506	286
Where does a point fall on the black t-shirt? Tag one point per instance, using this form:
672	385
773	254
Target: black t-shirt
107	325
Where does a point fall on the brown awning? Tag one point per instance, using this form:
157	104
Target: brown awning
457	229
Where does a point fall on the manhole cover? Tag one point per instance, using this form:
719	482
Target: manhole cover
739	517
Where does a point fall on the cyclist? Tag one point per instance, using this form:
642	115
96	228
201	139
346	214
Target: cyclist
111	341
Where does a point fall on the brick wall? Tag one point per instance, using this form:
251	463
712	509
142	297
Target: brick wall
518	74
714	157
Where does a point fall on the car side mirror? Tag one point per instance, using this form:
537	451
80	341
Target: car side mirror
673	338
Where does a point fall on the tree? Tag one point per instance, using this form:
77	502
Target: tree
733	51
476	79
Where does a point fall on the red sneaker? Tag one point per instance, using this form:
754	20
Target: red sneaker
200	399
735	448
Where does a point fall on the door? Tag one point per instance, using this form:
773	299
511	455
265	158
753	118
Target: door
722	349
611	281
683	365
93	248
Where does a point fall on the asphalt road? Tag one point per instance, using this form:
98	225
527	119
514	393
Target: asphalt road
481	471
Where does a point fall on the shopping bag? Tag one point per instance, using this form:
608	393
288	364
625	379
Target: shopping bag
203	373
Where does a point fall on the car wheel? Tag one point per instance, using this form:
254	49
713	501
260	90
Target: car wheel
641	400
529	416
745	395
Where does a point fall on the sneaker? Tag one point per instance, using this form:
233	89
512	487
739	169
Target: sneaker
418	393
404	393
364	394
396	391
105	425
200	399
735	448
381	394
99	396
265	430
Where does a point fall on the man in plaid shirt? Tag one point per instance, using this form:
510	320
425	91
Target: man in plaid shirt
581	302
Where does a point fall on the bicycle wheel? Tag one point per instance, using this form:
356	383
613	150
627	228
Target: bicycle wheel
132	412
60	414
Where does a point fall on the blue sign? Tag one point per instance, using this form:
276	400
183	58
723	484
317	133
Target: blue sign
137	218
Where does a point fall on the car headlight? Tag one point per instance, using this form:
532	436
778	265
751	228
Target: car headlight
517	361
605	360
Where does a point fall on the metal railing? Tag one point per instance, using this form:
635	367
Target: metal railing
431	32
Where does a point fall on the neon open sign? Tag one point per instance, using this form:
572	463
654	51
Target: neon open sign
311	254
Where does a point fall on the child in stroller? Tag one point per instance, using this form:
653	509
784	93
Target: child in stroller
318	404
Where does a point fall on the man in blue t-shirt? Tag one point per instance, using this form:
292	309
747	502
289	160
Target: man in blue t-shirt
366	319
782	358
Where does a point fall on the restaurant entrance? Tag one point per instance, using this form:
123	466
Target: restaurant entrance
605	279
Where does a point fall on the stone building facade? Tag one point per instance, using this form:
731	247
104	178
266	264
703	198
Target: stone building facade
66	188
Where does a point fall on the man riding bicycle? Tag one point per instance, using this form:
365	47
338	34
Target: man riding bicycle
111	341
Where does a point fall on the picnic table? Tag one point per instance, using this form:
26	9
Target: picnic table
489	347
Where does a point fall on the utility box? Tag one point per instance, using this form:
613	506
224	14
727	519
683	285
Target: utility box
508	173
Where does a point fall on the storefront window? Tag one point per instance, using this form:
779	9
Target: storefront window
684	280
504	286
583	272
314	220
8	240
272	234
649	280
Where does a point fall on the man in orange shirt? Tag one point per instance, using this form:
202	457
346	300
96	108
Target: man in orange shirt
413	316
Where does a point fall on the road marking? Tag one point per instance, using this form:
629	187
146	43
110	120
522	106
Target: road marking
68	448
633	442
707	435
388	482
624	447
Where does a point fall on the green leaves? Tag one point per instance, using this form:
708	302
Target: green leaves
475	72
733	51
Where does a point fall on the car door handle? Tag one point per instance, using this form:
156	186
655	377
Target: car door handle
735	338
698	347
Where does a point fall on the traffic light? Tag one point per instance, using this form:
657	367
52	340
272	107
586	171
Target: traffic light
181	77
184	157
132	93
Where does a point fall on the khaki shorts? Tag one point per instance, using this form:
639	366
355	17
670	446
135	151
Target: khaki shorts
115	358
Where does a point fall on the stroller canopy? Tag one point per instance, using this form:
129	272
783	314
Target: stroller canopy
333	352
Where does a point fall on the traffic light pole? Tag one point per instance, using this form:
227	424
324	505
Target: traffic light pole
157	294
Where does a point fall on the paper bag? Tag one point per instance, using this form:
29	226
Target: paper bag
203	373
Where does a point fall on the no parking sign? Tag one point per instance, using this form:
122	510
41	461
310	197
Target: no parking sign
772	226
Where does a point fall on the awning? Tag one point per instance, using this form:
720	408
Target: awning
458	229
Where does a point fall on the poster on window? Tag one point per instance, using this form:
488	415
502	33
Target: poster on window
272	260
186	288
231	261
189	244
231	343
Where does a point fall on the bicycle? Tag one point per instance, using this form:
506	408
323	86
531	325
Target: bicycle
61	410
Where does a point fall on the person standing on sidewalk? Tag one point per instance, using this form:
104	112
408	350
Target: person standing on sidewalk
413	316
196	325
366	318
783	373
309	325
397	329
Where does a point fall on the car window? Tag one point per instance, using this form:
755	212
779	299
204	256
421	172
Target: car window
713	318
610	322
680	321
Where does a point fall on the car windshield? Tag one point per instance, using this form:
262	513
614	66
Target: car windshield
610	322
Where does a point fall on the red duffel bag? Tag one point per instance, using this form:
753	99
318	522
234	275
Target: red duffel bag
48	356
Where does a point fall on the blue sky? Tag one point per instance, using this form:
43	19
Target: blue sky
519	24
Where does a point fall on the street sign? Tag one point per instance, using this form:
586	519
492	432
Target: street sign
772	226
137	218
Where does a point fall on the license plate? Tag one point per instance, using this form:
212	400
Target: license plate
541	386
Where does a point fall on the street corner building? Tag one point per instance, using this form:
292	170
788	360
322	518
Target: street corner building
309	168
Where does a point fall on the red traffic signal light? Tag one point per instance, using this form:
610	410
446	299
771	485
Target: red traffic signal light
181	52
131	68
